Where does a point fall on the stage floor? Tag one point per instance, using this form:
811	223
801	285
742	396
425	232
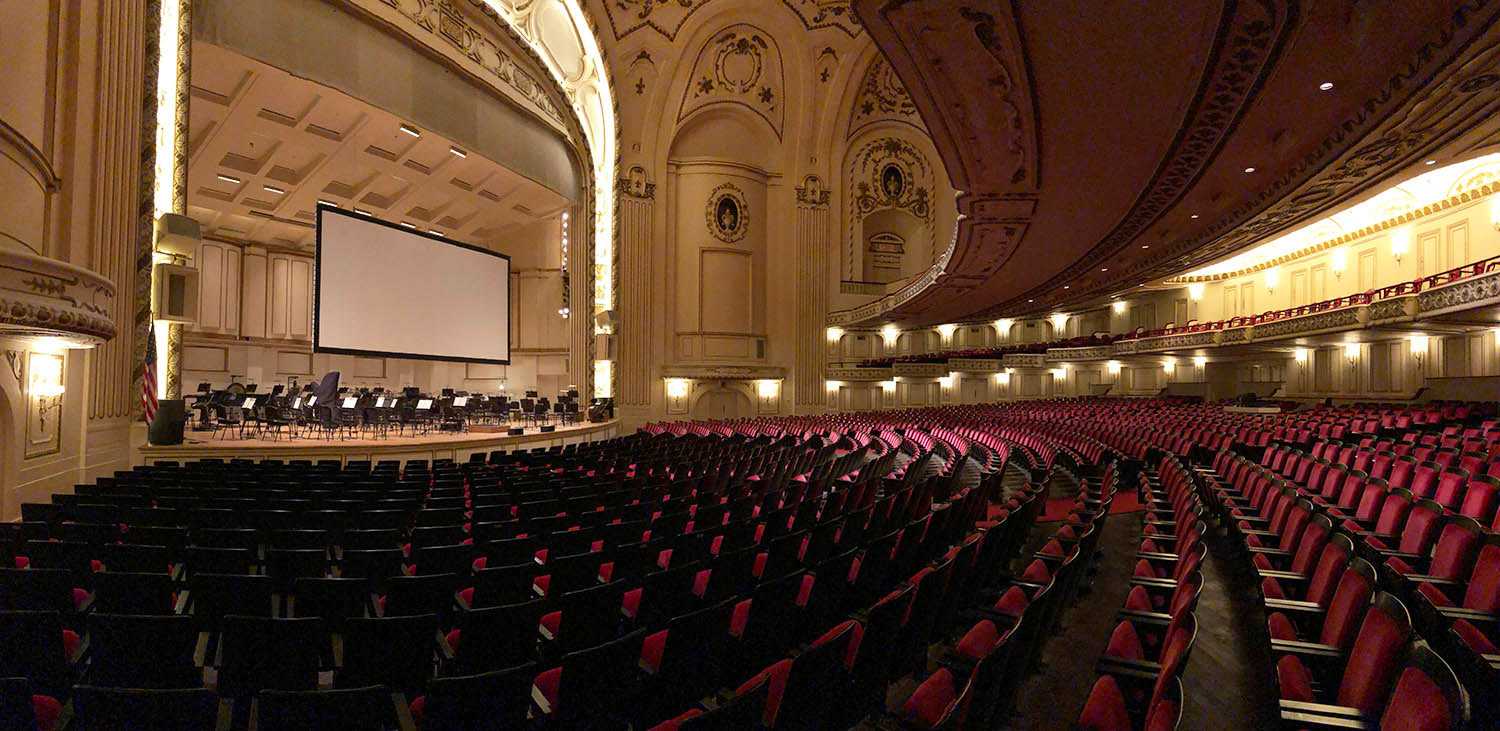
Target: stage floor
434	445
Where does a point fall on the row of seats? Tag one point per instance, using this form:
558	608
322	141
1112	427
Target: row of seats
1342	636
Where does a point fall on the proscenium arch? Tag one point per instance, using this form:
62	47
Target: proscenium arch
540	25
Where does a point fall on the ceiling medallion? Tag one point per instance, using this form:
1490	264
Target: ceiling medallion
727	214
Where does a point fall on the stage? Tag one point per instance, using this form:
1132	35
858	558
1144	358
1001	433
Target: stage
456	446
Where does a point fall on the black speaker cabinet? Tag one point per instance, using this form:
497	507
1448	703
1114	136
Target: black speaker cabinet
547	428
516	431
166	428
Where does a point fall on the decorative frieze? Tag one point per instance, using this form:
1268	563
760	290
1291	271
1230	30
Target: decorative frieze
860	374
1467	293
724	373
1096	352
920	370
46	297
1025	360
974	365
1349	317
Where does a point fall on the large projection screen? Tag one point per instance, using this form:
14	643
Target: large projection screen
384	290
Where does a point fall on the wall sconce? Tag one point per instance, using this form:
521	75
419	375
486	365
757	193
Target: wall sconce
1200	360
1419	348
832	386
1059	321
1272	276
1118	307
1351	352
1002	379
834	333
1169	366
46	385
1339	261
888	386
1195	291
1113	367
1400	243
678	387
946	381
1300	355
947	330
1059	373
768	388
890	333
1003	325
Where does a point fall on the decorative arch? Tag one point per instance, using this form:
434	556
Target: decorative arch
741	64
887	172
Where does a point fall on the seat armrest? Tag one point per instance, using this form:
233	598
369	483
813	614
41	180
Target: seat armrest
1306	649
1268	551
1157	617
1292	718
1153	583
1282	575
1154	556
1138	669
1292	605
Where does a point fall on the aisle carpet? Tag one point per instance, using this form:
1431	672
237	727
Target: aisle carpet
1057	508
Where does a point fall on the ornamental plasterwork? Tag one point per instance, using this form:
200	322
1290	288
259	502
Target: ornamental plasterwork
1323	321
724	373
891	173
1234	335
1393	309
667	16
46	297
1462	294
859	374
882	97
740	65
1096	352
920	370
448	21
727	214
1178	341
1024	360
974	365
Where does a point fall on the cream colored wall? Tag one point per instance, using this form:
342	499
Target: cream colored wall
256	310
1436	243
71	100
751	310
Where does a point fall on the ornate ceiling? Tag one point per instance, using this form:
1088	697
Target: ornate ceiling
266	146
1098	146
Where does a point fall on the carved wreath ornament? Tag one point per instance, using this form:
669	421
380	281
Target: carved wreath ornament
727	214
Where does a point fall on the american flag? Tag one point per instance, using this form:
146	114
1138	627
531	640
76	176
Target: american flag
148	381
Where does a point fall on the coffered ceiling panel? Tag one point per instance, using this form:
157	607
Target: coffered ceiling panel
265	147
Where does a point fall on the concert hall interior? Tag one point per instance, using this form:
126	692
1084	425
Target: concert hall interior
749	364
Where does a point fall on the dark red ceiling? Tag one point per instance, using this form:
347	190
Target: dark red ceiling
1081	131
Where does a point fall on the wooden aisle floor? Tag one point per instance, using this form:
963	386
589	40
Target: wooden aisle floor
1227	682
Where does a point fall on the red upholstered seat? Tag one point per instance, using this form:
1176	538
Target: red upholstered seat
932	699
47	710
1105	708
1417	704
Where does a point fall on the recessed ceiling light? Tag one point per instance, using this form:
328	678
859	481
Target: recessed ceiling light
1067	286
330	204
408	224
1430	162
1030	300
434	231
1104	269
1326	86
413	131
228	178
273	189
458	152
1249	170
1193	216
363	212
1145	246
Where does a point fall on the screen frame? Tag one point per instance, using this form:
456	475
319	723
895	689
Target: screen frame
318	290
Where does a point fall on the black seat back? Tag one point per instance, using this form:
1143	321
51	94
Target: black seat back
369	708
143	651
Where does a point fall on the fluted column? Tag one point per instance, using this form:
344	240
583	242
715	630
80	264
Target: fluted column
633	325
812	295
